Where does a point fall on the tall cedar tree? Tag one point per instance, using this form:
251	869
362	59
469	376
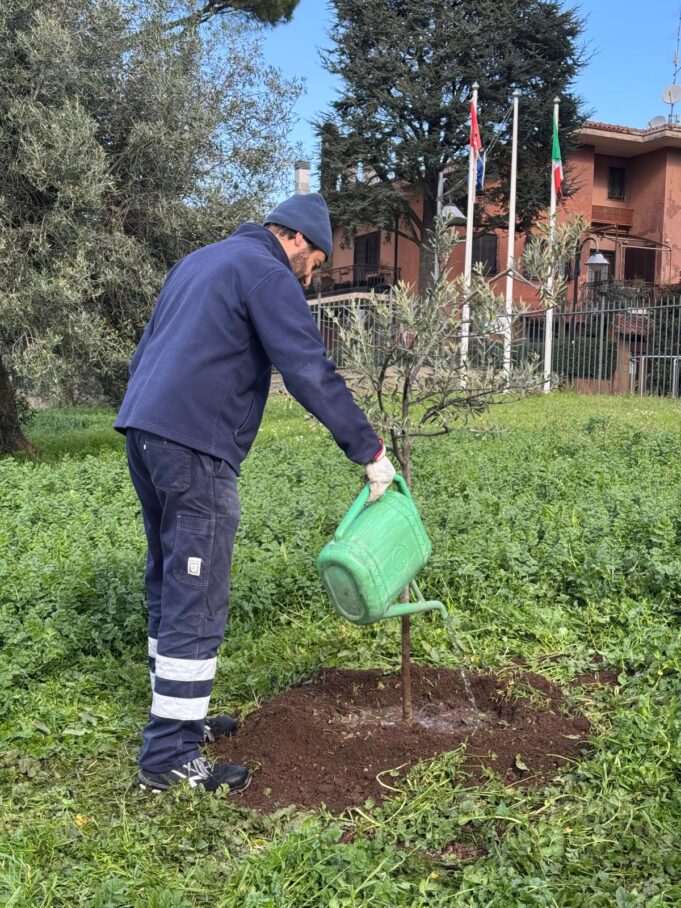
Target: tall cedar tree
403	112
123	146
267	12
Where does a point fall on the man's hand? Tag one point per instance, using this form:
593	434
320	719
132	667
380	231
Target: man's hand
380	473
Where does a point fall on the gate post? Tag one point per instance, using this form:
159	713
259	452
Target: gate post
675	377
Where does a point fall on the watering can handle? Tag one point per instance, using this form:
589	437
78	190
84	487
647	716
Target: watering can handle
358	504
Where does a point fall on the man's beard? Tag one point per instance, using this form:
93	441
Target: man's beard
299	263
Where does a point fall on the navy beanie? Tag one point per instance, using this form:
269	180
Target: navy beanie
306	213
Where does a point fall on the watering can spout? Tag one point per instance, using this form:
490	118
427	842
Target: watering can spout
413	608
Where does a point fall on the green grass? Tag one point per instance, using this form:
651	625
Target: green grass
74	431
556	526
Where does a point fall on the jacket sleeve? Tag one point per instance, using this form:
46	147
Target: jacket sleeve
286	328
137	355
149	330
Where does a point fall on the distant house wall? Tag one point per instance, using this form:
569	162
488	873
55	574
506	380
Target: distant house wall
644	211
408	252
648	190
672	218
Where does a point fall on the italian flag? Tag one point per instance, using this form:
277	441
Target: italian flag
556	163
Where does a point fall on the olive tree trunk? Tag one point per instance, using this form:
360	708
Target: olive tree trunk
11	436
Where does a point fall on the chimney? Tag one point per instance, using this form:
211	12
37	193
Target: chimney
302	170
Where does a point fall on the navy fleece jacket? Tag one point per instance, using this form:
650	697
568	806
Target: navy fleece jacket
201	373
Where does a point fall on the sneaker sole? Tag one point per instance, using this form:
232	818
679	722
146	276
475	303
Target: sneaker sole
152	789
156	790
242	787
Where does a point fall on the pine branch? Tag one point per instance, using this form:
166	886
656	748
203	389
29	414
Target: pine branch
267	12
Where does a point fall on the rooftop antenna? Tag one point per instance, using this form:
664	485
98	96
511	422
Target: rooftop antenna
672	94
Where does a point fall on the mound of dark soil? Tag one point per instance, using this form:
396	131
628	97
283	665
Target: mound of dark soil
326	740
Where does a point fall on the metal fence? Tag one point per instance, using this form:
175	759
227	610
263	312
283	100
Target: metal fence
629	348
331	315
610	349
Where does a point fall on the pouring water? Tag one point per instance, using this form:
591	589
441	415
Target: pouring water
449	628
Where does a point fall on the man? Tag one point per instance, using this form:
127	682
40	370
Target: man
199	381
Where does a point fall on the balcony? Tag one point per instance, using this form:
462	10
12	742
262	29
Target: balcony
610	214
353	279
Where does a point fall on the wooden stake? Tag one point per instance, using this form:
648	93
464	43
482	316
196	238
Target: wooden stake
406	664
406	626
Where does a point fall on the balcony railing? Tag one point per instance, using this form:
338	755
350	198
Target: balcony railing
353	278
611	214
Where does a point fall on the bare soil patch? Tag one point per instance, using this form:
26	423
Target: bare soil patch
327	740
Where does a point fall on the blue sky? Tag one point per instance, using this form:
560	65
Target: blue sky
631	44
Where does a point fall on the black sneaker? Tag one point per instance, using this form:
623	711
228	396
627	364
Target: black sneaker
219	727
198	772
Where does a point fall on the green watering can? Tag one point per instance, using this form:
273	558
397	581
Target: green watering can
375	553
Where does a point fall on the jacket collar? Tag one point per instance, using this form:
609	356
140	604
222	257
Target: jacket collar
265	237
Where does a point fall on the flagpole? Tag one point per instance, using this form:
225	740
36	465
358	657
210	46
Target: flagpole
510	255
548	330
438	214
468	258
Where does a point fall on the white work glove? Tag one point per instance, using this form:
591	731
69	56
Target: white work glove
380	473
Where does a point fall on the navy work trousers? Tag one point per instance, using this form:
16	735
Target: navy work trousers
190	508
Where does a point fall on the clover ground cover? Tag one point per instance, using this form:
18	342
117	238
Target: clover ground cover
556	525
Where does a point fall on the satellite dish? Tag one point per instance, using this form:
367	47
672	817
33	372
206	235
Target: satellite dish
672	94
656	122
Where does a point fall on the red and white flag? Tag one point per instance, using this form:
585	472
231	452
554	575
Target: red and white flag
556	162
475	140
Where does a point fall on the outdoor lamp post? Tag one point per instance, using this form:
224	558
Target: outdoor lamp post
599	264
451	214
596	261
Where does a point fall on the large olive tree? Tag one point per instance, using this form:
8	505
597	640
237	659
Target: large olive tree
123	146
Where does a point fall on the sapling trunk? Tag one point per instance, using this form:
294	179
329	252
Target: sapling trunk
406	663
406	622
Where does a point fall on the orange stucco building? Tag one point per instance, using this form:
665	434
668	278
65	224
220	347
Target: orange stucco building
627	186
